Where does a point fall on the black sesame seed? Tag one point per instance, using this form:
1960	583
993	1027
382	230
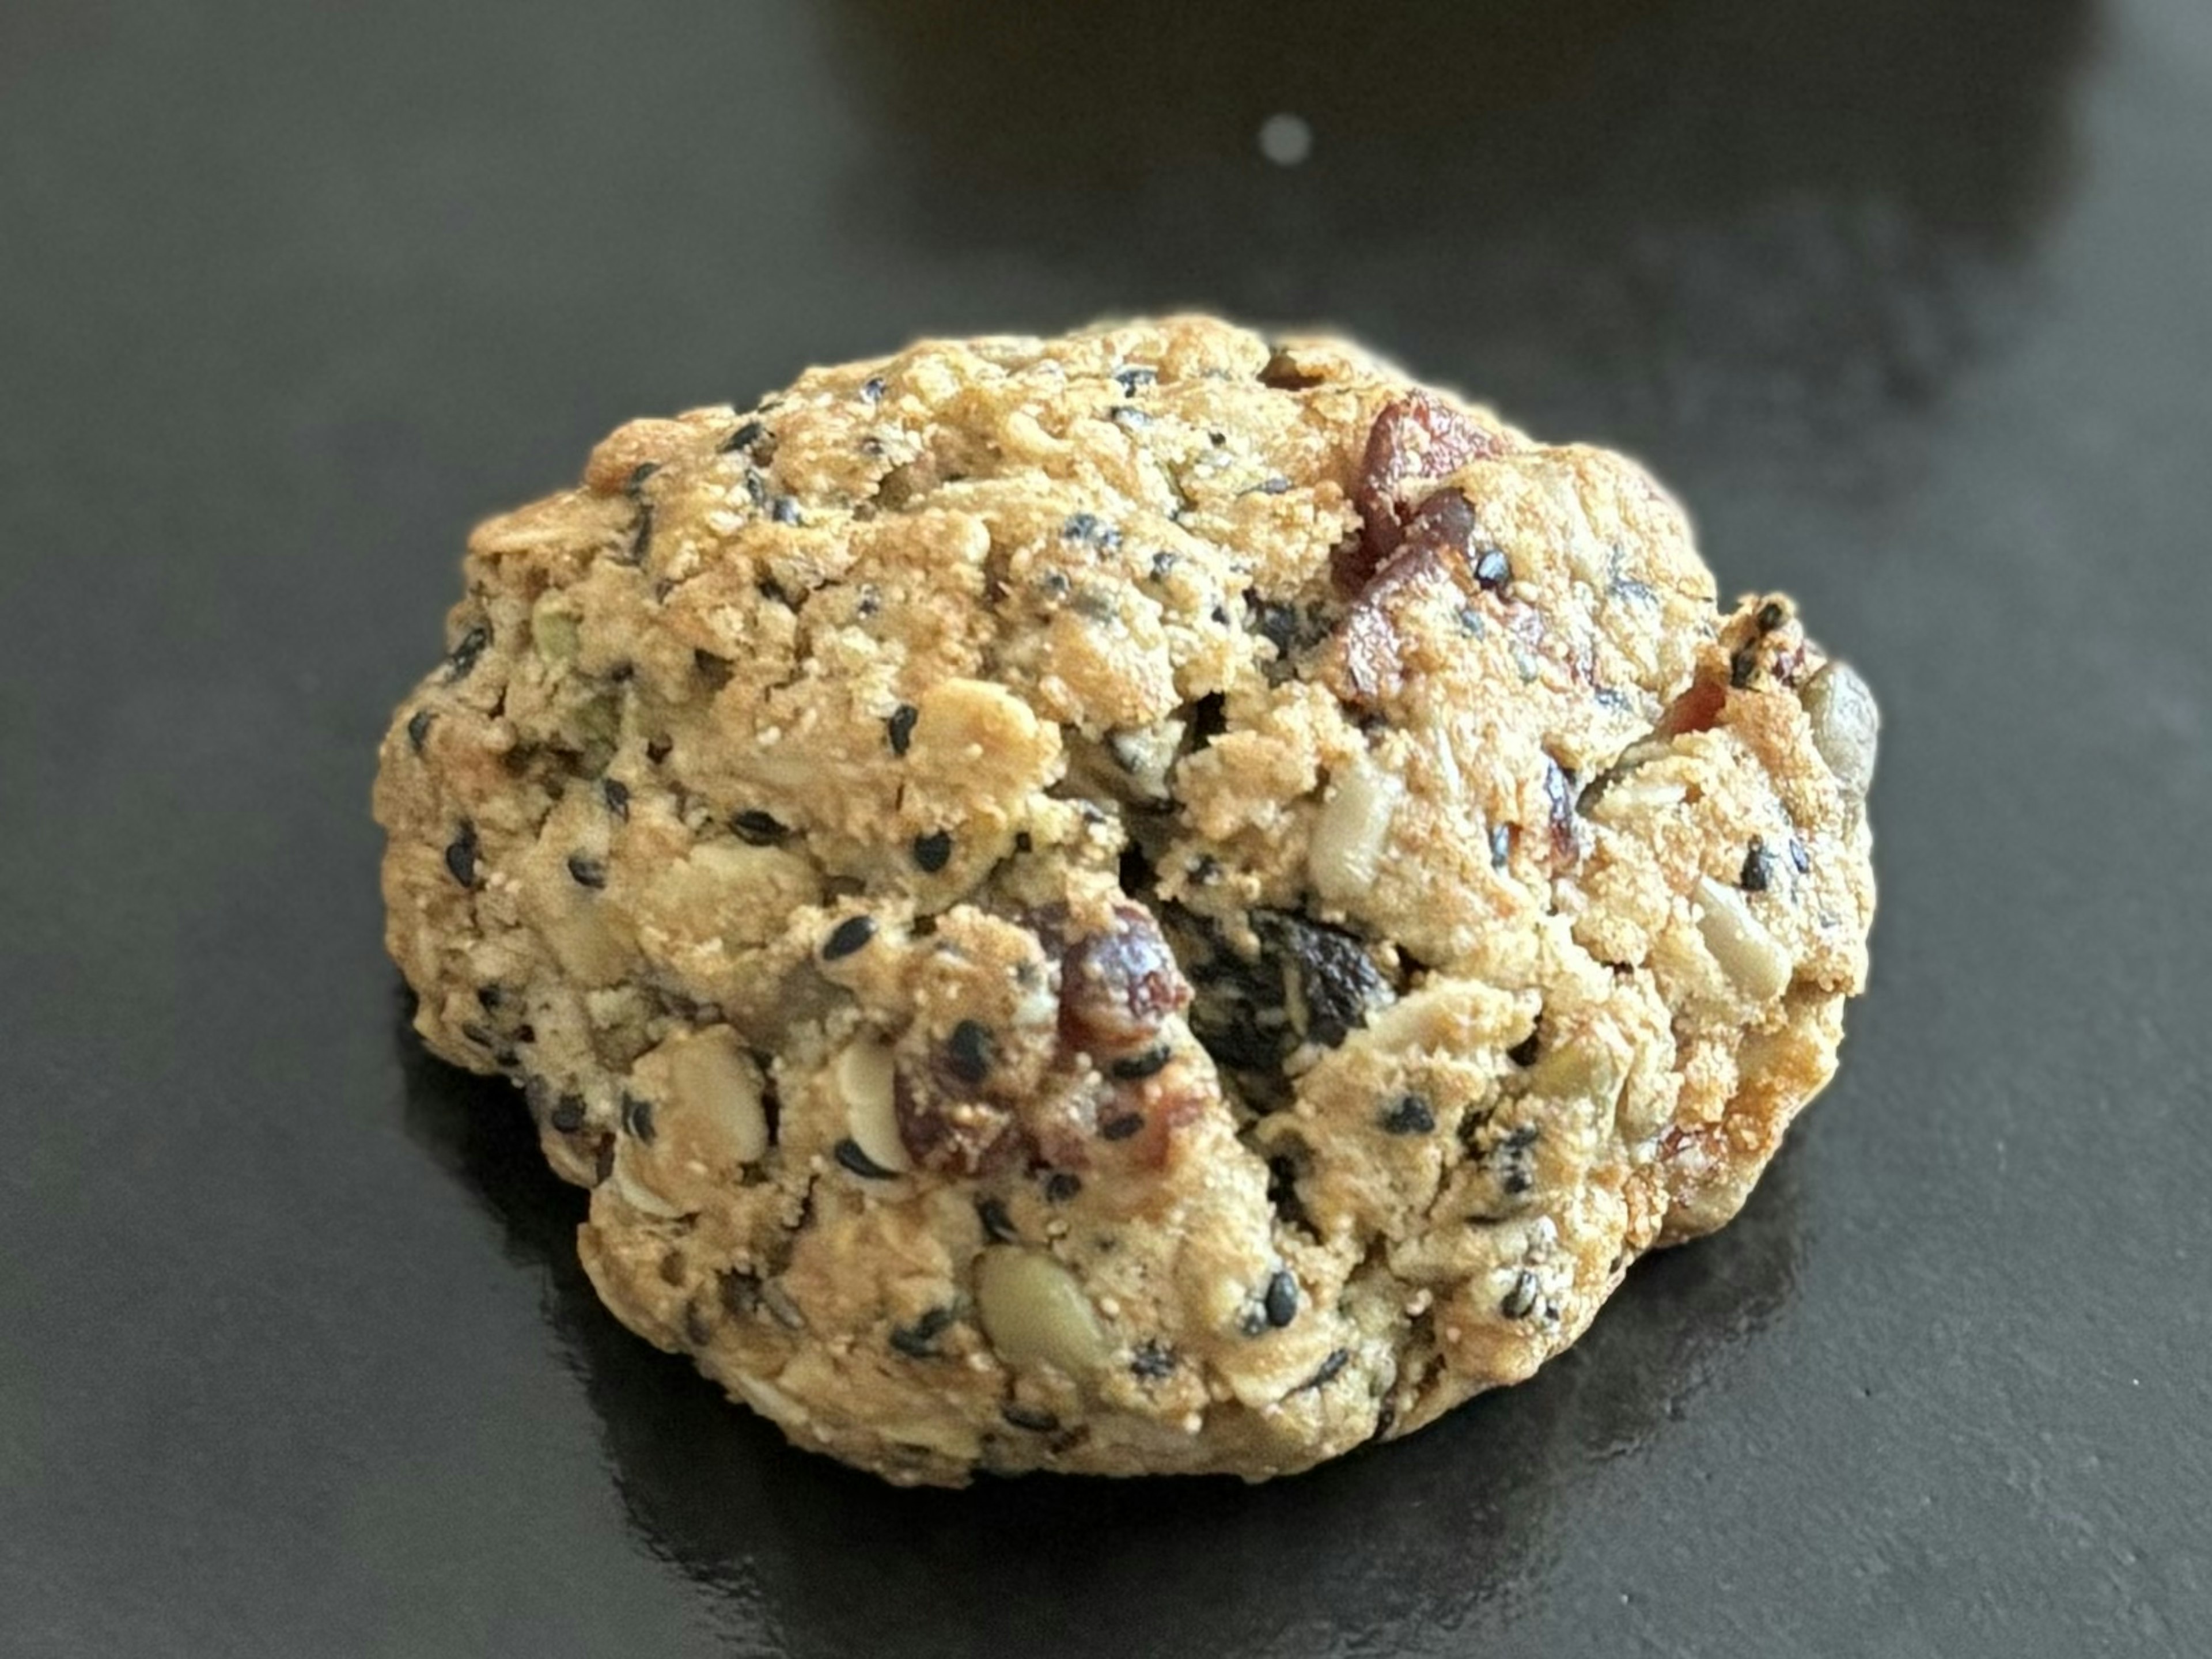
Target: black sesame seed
1120	1128
638	475
933	851
1758	868
637	1118
1523	1053
1152	1362
1411	1116
998	1225
418	727
1501	845
1130	415
1743	668
1769	616
1800	857
757	488
464	656
1060	1185
616	793
1023	841
1029	1417
1281	1301
1129	1067
873	388
1493	570
588	872
968	1051
919	1340
1471	622
461	854
759	828
744	437
567	1114
848	936
1134	377
1521	1300
849	1153
641	543
1163	563
900	726
1326	1373
785	510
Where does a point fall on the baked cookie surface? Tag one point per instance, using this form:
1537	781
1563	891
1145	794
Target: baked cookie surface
1138	902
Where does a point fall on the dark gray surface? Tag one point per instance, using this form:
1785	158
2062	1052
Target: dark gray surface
1912	301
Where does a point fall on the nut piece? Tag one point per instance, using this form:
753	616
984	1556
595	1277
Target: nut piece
1755	963
698	1118
1845	725
868	1083
1347	848
1034	1312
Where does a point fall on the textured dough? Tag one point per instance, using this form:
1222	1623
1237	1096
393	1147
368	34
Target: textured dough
1140	901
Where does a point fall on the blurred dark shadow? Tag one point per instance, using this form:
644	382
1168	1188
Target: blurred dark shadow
1723	208
1449	1521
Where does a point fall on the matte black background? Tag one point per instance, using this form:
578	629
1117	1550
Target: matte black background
1912	301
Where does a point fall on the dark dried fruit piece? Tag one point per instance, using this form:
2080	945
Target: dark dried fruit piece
1282	373
1117	986
1418	436
943	1126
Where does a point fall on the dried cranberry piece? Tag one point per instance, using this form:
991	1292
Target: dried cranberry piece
1417	436
1117	986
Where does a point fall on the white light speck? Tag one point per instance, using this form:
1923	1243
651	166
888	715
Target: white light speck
1285	139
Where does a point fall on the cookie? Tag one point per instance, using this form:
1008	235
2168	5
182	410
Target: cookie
1144	902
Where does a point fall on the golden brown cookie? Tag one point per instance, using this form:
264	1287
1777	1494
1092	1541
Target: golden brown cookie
1140	901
